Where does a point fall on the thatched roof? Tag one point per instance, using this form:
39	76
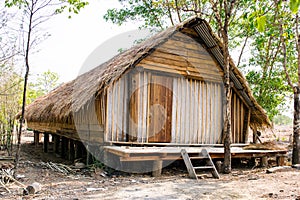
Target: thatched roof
59	105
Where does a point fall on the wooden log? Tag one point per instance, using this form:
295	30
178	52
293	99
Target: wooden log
157	168
46	142
264	161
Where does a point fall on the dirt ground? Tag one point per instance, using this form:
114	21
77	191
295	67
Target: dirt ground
243	183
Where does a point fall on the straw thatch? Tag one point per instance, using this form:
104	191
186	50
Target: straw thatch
60	104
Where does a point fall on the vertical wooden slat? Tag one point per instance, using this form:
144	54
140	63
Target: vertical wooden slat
233	118
182	111
189	121
239	113
125	109
114	113
145	105
220	119
199	106
148	106
208	127
178	109
174	111
140	82
186	112
203	113
108	114
242	123
196	111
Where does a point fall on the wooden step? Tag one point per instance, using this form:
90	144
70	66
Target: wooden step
204	167
201	156
198	157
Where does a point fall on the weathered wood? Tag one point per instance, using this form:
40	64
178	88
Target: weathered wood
64	147
46	142
264	161
36	138
79	150
280	160
157	168
71	150
188	164
56	143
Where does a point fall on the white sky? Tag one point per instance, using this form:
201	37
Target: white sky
73	40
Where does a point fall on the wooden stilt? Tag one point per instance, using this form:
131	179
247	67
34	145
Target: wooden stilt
64	147
264	161
280	160
78	149
89	158
71	150
157	168
46	142
36	138
56	143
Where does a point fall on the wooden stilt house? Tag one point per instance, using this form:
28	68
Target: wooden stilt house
168	89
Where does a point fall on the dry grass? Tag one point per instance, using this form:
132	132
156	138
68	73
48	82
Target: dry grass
270	145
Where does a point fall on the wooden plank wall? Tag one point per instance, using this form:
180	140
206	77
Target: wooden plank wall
239	114
196	112
116	125
89	121
183	55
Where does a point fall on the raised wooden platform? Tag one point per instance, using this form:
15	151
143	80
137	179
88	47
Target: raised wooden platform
127	153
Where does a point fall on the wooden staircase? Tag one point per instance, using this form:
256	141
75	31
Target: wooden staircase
203	155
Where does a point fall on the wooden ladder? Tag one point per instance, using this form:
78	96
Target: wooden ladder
204	155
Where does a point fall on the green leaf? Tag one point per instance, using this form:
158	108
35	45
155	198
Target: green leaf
261	23
294	5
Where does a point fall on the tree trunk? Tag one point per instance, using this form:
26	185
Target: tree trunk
227	114
22	118
296	135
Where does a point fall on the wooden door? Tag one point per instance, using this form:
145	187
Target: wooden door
160	109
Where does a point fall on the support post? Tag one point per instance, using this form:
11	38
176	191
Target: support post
78	149
280	160
64	147
36	138
264	161
71	150
56	143
157	168
46	142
